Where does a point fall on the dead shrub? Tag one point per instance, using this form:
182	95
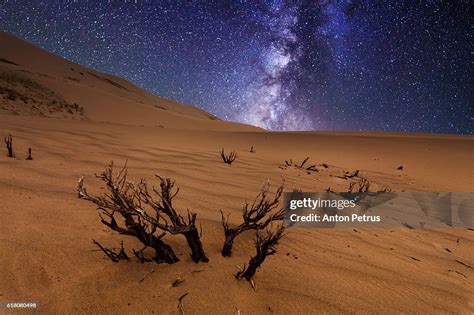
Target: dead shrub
143	217
265	245
230	158
302	165
9	143
255	217
29	157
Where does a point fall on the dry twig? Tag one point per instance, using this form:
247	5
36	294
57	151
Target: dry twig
255	217
230	158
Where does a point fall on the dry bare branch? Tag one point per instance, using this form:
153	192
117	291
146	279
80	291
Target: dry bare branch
348	175
255	217
9	143
29	157
113	254
140	255
265	246
311	168
304	162
143	215
230	158
363	185
168	219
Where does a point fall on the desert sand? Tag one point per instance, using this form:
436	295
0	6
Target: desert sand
46	231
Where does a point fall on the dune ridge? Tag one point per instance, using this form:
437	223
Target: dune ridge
102	96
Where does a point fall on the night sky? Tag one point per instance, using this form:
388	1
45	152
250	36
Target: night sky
299	65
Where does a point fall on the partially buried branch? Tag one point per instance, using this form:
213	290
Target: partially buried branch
9	143
311	168
255	217
114	255
230	158
363	185
177	224
29	157
265	246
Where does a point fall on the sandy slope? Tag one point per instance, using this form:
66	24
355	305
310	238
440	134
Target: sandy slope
46	232
104	97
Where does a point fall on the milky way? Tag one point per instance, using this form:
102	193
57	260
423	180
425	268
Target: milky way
281	65
266	102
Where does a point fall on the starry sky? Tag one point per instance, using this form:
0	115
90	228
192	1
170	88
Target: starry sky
282	65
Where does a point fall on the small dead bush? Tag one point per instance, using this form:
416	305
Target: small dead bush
230	158
9	143
363	185
348	175
302	165
265	245
29	156
255	217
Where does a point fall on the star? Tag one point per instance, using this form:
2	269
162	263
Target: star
281	65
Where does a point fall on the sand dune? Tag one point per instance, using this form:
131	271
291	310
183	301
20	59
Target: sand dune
46	231
104	97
